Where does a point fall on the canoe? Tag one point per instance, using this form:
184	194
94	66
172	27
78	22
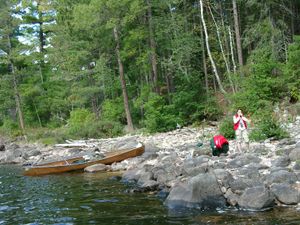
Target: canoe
79	163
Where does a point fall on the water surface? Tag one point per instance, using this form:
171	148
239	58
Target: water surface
100	198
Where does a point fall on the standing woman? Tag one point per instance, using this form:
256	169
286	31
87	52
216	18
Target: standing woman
240	127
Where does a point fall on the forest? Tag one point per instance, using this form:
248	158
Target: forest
102	68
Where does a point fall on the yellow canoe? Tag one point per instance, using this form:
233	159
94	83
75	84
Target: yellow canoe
79	163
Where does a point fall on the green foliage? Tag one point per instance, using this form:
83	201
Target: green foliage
261	87
79	67
79	119
113	110
10	127
159	116
267	127
82	123
102	129
292	70
226	128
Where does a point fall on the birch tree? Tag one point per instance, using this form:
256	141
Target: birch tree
208	50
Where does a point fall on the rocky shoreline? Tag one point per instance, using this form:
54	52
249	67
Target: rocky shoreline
266	175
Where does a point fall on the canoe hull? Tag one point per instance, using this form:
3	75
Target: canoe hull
67	166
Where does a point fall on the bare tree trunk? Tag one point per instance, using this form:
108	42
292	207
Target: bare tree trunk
208	51
222	51
41	43
123	82
204	63
15	86
232	50
37	114
237	33
153	49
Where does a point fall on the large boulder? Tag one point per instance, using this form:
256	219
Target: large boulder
281	176
12	156
282	161
240	184
243	160
256	198
201	191
133	175
286	193
223	177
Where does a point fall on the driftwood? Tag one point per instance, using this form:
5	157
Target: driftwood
77	143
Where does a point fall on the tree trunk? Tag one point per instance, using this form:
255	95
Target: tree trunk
15	86
153	49
208	50
231	50
123	82
237	33
222	50
204	63
41	43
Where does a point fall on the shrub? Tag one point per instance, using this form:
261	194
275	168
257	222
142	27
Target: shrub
83	124
226	128
102	129
160	117
10	127
267	127
113	110
78	120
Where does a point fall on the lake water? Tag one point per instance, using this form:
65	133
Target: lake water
100	198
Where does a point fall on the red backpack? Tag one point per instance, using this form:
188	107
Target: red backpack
219	141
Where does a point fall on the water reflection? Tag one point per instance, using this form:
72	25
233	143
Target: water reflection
81	198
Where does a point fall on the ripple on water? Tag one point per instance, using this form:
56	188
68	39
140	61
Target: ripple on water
6	208
106	200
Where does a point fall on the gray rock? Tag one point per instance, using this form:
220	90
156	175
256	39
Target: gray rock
95	168
257	166
30	153
285	193
297	166
295	154
232	198
250	173
281	176
282	161
133	175
150	151
256	198
150	185
240	184
224	177
201	191
195	166
243	160
164	178
276	169
126	143
12	156
194	171
286	141
145	177
220	165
